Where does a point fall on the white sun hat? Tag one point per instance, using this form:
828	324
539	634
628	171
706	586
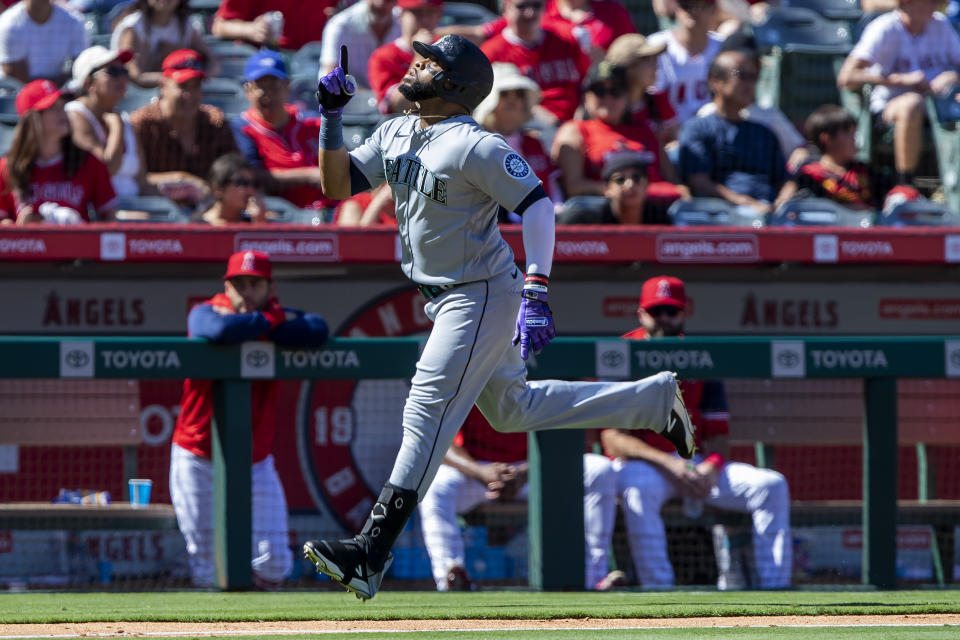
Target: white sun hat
506	76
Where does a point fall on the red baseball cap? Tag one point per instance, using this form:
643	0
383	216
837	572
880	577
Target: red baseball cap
416	4
183	65
663	291
249	263
38	95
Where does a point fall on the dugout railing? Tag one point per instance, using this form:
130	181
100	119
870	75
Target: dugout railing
556	549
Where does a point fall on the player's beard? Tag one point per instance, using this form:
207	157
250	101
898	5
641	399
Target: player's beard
417	90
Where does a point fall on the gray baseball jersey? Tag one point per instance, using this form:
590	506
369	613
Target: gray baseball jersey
448	182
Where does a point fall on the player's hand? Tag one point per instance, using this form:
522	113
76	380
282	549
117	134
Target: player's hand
535	327
337	87
689	482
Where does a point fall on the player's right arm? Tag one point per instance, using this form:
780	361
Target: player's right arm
339	179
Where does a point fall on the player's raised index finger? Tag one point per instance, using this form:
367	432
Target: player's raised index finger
344	59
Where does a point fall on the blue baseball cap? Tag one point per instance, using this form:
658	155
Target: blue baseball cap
265	63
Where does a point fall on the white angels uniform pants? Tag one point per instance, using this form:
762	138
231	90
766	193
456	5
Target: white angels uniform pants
454	493
469	359
763	493
191	491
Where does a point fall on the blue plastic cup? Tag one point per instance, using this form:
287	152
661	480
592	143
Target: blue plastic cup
140	492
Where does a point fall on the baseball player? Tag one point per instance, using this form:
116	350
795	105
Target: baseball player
449	177
485	465
649	474
246	310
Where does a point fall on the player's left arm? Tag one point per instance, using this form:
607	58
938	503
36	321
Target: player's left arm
715	429
300	330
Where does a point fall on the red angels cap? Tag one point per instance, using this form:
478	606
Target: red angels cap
663	291
249	263
416	4
183	65
898	195
38	95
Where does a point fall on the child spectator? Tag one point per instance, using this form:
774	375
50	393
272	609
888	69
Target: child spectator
154	30
233	184
836	175
45	176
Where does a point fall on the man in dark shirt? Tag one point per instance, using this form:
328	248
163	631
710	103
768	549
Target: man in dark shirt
724	156
181	137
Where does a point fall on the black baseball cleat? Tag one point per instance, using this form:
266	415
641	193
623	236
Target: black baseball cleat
345	561
679	430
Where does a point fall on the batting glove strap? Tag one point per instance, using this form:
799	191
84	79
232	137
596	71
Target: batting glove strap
535	287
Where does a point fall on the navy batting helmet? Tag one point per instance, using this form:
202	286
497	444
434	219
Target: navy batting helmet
467	75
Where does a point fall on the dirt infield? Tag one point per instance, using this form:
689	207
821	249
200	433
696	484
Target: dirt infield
128	629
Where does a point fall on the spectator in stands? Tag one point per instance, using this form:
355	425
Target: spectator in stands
792	144
180	136
724	156
580	147
905	54
836	175
100	83
275	137
39	39
691	46
154	30
45	177
362	27
625	196
649	106
649	473
233	183
505	110
247	309
303	21
389	63
483	465
595	24
552	58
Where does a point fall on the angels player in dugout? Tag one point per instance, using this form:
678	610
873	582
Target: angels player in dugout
449	177
649	473
246	310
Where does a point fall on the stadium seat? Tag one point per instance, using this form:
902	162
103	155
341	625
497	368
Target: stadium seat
303	93
943	114
226	94
582	210
819	212
284	210
232	56
465	13
801	55
149	209
136	97
919	213
9	87
710	212
6	138
847	11
306	61
204	6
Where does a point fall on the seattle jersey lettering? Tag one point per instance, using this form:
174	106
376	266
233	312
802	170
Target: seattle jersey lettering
408	170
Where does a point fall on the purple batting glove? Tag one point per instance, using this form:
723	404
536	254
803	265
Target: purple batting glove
534	321
336	88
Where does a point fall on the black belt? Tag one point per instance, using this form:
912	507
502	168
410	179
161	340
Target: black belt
431	291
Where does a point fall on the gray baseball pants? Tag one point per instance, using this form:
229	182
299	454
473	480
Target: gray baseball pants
469	359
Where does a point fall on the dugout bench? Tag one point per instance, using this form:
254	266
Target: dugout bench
81	413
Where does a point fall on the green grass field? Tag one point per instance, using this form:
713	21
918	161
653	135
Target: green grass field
504	605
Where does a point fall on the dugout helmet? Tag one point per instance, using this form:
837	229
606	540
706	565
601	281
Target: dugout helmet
467	75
